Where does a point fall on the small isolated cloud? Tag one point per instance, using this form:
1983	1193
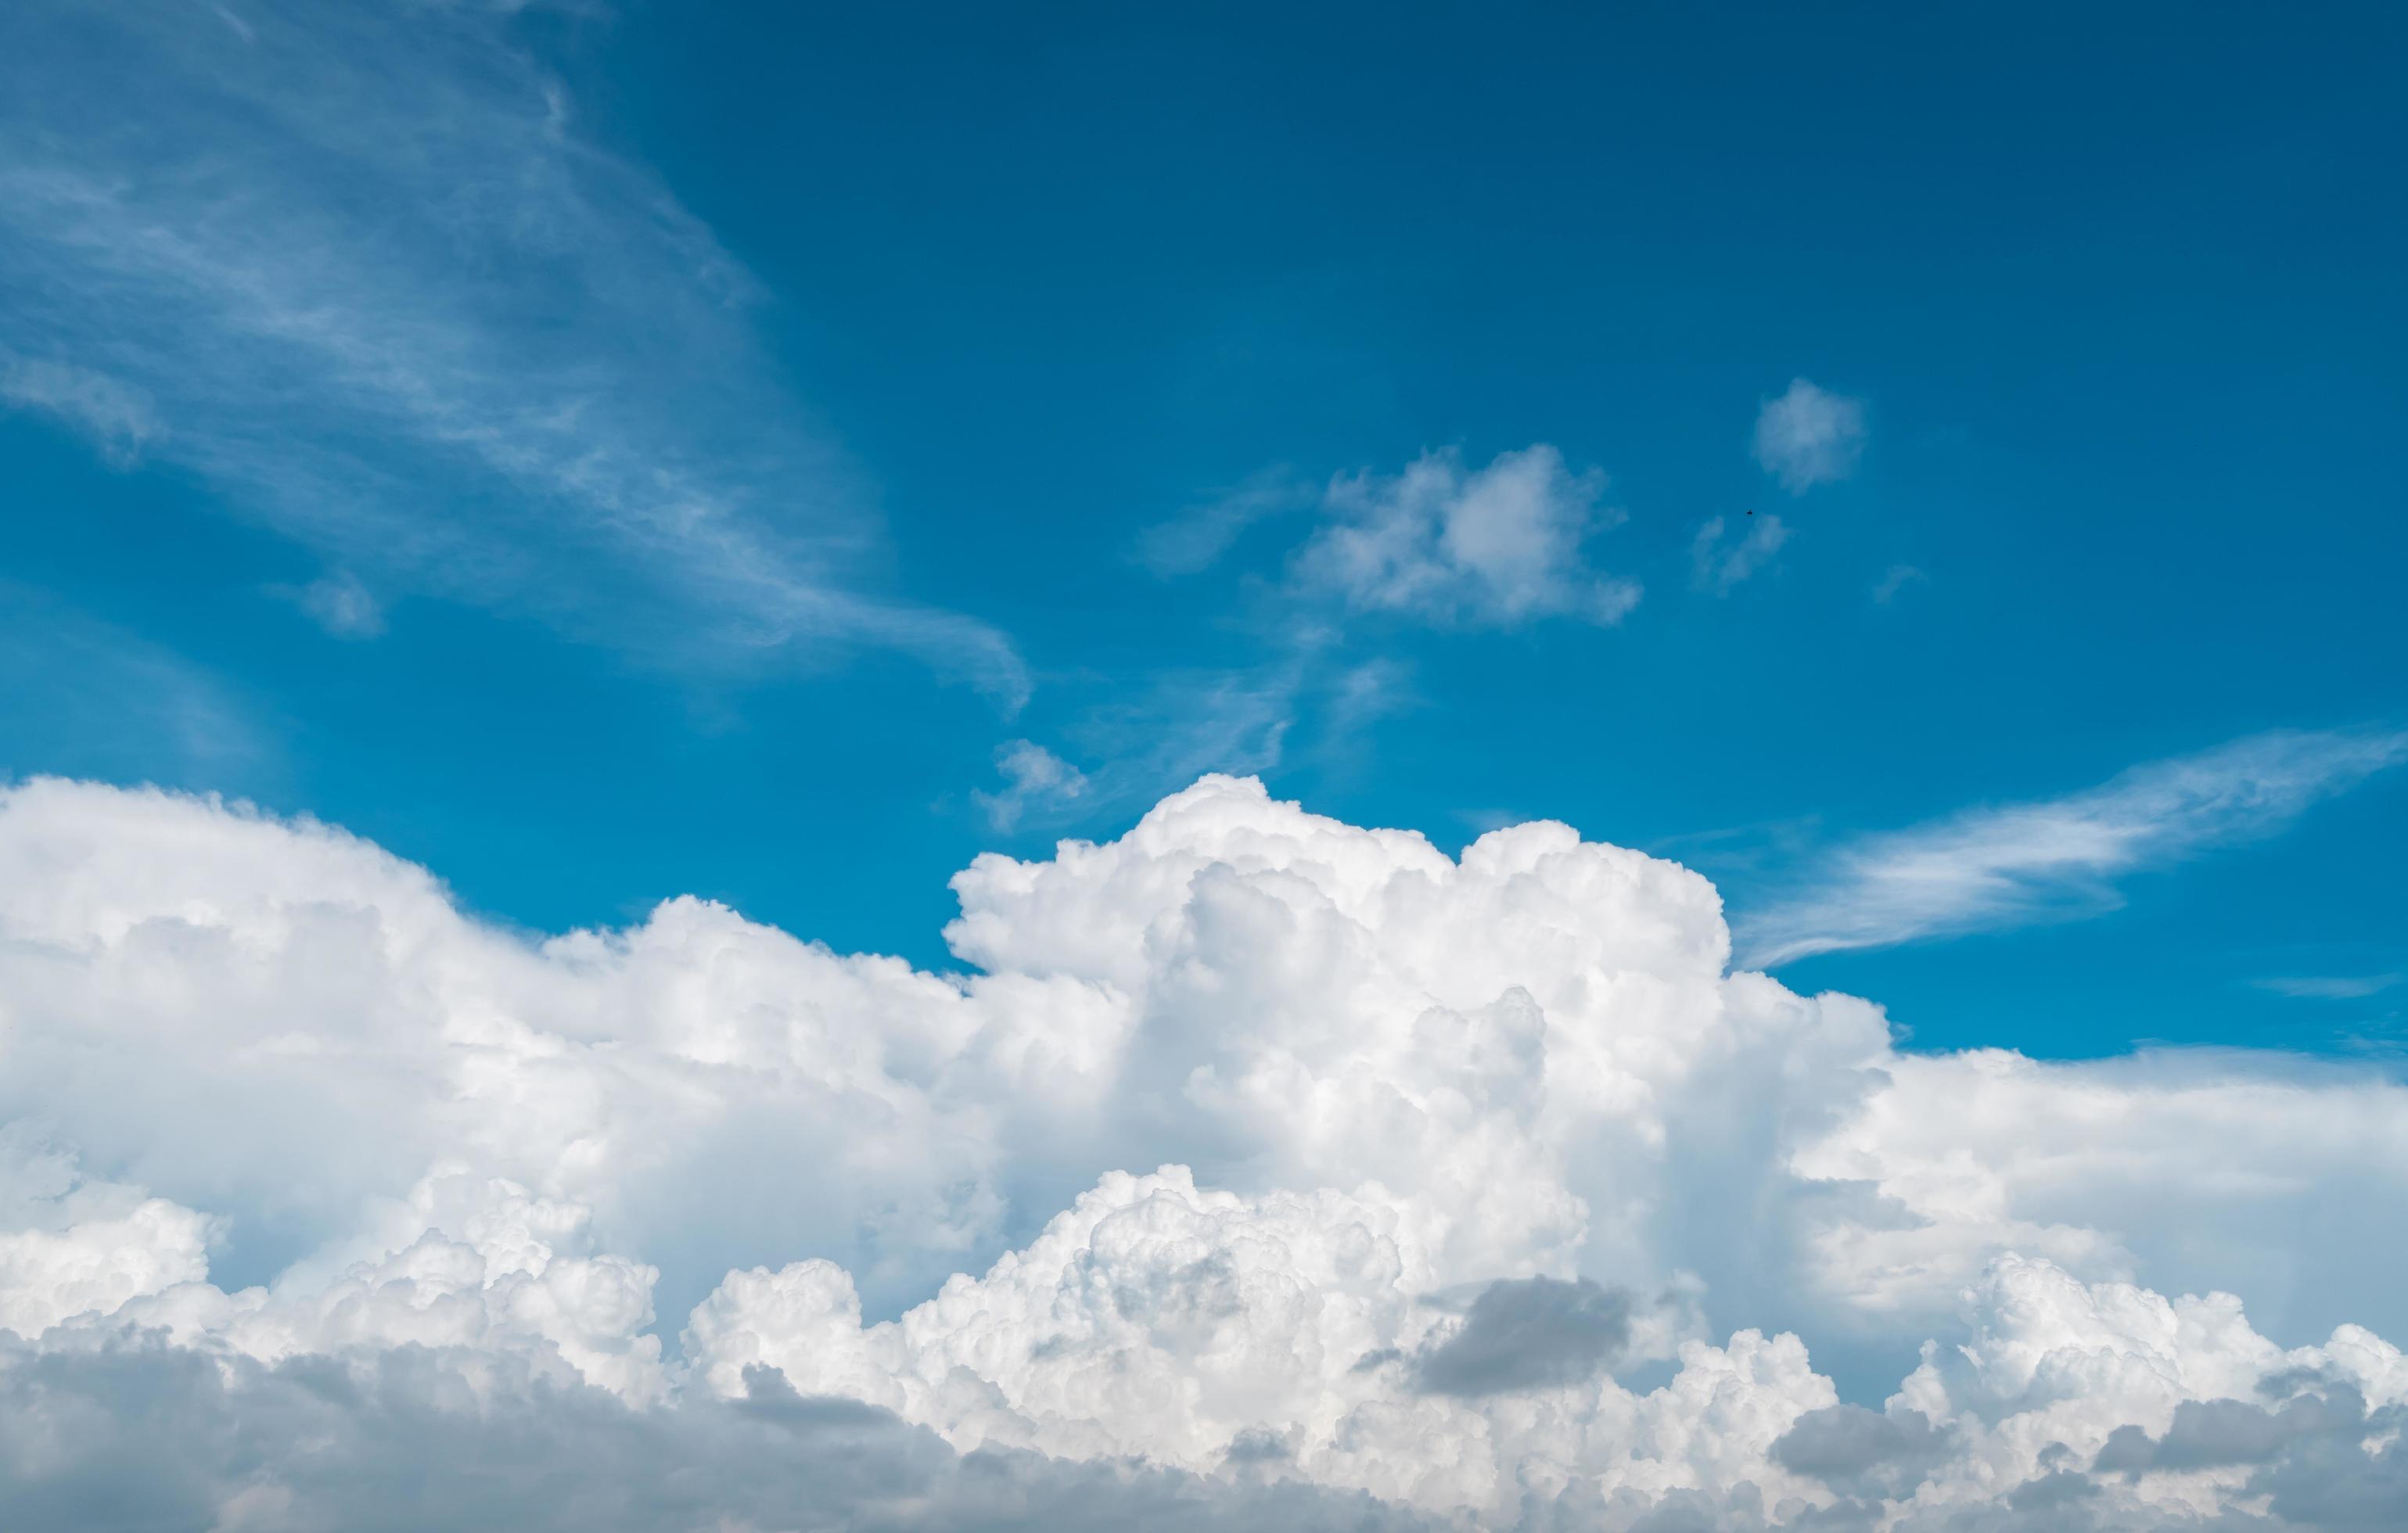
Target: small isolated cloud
1530	1333
1810	437
1716	569
1196	539
1493	547
1895	579
2020	862
1034	778
2329	987
116	416
339	604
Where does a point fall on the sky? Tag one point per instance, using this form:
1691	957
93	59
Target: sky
644	506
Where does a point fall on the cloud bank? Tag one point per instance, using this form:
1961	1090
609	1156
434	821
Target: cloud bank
1254	1168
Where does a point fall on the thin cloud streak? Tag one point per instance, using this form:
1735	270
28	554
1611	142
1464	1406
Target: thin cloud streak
356	272
2022	863
1895	579
1197	537
2329	987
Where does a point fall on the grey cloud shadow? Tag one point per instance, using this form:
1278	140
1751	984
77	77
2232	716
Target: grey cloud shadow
1529	1333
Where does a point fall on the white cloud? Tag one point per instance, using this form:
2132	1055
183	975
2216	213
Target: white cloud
2022	863
1292	1160
1493	547
1895	579
91	1249
1715	568
339	604
1808	436
116	416
357	269
1033	777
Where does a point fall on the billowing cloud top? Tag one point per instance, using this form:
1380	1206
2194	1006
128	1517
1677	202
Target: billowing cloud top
1257	1167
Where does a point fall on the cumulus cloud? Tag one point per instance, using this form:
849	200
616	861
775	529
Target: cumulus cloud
1530	1333
1251	1166
1852	1448
2021	862
1489	547
140	1434
1808	436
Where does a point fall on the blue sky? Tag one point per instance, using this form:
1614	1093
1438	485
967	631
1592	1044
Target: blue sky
689	449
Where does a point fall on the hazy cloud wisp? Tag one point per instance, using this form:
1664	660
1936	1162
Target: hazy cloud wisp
2021	862
356	269
1808	436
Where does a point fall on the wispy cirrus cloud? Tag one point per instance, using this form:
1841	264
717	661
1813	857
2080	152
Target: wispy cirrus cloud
2021	862
117	419
356	270
1895	579
1170	727
1198	536
80	694
2329	987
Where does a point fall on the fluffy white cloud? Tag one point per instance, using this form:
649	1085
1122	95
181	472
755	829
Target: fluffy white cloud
1493	547
1808	436
1485	1190
80	1248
